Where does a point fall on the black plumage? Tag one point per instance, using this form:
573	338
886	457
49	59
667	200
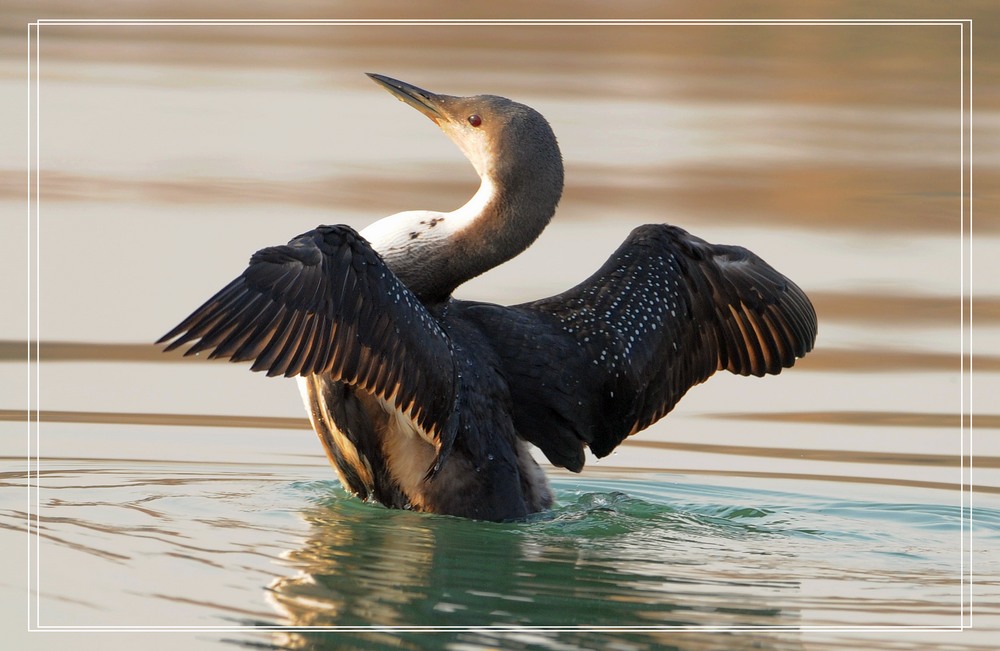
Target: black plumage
423	401
327	304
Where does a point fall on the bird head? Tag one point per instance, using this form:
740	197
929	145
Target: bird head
493	132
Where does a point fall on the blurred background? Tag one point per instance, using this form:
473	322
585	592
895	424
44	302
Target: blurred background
168	153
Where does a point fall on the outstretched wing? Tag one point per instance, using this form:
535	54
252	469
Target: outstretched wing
664	313
327	303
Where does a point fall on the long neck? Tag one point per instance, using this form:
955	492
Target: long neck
433	253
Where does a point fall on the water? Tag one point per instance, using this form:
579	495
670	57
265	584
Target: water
819	509
227	545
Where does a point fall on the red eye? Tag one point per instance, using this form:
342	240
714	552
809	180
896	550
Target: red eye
475	120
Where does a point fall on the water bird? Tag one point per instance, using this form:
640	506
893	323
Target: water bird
426	402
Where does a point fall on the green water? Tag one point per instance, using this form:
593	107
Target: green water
261	560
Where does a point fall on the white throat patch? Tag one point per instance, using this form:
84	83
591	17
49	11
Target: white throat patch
419	228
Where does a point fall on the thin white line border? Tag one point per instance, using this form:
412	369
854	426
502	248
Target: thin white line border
34	354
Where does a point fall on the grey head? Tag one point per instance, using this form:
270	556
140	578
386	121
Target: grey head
514	151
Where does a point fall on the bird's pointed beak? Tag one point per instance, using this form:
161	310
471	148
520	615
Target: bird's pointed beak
428	103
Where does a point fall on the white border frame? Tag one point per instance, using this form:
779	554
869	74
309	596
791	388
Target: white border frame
34	300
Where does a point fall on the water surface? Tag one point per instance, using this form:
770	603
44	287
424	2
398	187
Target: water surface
819	509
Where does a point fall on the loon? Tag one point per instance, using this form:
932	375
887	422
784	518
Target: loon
426	402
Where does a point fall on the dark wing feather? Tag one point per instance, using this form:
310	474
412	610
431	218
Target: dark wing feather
327	303
664	313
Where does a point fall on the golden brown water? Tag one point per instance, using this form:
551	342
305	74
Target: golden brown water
178	493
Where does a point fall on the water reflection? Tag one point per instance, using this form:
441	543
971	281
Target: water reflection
682	556
602	560
657	550
538	640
